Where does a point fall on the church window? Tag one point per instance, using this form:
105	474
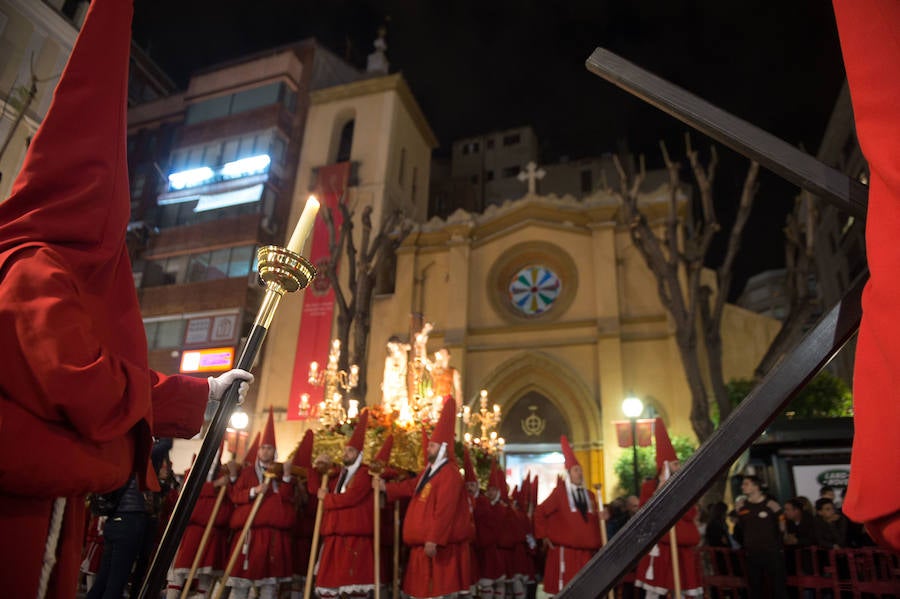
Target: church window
346	142
489	144
489	176
512	139
533	289
415	176
402	169
474	179
511	171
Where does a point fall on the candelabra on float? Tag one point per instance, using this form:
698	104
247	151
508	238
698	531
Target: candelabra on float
485	419
334	381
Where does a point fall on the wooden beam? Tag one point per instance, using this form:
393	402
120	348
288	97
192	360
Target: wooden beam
744	425
771	152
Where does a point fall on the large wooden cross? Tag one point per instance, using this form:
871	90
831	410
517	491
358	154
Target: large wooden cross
784	381
531	173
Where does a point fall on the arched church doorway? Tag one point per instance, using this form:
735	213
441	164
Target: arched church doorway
531	427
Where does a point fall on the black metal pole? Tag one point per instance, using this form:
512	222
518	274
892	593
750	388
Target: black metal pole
187	499
637	476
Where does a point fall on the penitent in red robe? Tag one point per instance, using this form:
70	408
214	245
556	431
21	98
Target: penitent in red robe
348	521
871	47
78	402
575	537
437	513
268	558
654	571
215	553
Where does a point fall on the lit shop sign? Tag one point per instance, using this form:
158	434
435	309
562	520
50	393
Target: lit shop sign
207	360
245	167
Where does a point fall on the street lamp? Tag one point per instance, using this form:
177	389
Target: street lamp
632	408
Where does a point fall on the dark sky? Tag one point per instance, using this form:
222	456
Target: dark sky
482	66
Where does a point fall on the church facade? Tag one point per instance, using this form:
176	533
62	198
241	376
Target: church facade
546	303
542	301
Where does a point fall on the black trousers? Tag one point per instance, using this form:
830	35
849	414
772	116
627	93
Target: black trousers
123	537
766	575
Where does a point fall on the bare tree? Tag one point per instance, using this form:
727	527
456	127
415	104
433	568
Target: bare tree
676	258
799	235
354	298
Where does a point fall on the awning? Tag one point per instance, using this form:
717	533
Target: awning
229	198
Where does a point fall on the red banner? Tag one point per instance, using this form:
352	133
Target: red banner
314	338
644	432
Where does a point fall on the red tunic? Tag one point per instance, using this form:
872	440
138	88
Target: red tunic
348	522
304	524
868	32
523	558
575	537
84	411
654	571
78	401
215	553
266	552
437	513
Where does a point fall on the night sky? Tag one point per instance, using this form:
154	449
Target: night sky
481	66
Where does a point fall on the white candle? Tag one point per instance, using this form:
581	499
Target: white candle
304	225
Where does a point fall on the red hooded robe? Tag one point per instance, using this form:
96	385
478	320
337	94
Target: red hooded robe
871	48
76	384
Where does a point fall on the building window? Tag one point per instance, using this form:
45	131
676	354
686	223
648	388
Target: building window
242	101
587	181
165	334
470	148
415	176
512	139
225	263
511	171
489	144
138	185
489	175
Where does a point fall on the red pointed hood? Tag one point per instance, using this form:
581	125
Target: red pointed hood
525	492
303	455
384	454
568	454
444	431
648	488
471	476
250	456
72	195
358	440
664	450
268	436
496	479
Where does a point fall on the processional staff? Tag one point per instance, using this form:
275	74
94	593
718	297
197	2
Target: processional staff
600	512
314	546
280	270
206	531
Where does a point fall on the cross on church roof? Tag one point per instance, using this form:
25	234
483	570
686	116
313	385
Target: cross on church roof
532	173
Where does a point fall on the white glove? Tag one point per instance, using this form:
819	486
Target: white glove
218	385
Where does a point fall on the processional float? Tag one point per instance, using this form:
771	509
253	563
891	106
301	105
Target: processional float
784	381
281	270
